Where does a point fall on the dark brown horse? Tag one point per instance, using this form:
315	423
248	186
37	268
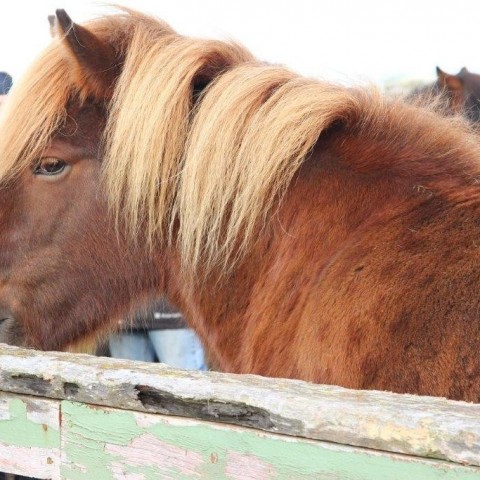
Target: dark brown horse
461	93
306	230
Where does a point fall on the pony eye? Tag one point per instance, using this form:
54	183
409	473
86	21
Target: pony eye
49	166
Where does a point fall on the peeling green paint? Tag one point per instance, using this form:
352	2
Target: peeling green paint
89	432
20	431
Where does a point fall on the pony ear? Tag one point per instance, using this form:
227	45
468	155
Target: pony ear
464	71
451	82
94	61
52	21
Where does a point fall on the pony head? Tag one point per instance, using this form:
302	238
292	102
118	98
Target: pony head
62	255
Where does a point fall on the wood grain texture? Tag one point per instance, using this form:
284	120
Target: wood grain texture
102	443
420	426
30	436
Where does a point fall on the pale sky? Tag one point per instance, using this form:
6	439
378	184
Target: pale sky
347	40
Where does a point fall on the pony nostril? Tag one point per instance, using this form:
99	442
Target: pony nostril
5	320
11	332
5	315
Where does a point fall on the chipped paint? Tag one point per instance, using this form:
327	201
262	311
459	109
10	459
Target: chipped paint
41	462
165	424
421	439
245	465
22	427
433	427
114	444
147	450
29	436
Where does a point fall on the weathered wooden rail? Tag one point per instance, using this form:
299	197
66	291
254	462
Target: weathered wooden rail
65	416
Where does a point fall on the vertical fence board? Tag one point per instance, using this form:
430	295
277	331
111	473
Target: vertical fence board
29	436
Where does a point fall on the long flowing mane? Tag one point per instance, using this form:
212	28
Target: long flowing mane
203	136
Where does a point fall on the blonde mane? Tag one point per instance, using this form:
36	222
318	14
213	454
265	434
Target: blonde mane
214	168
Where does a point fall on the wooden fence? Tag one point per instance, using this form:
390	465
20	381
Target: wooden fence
65	416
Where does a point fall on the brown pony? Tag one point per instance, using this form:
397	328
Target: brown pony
460	92
307	230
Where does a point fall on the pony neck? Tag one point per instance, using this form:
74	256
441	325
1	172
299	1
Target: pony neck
244	318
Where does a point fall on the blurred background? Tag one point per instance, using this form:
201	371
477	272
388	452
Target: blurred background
351	41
